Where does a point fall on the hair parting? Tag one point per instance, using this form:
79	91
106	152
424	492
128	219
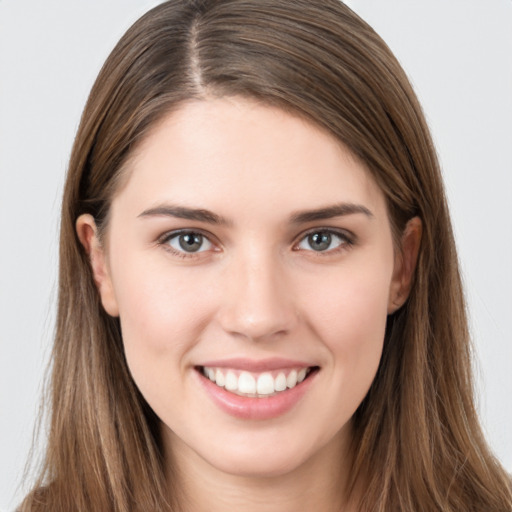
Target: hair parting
418	444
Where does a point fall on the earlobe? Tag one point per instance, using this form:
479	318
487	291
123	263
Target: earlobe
405	264
88	235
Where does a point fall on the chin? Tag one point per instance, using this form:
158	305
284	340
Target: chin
270	454
258	465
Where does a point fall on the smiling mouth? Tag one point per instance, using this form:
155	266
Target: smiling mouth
256	385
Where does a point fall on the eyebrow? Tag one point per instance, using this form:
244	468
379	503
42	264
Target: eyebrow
328	212
301	217
182	212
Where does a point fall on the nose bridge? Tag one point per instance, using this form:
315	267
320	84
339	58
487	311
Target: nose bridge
258	302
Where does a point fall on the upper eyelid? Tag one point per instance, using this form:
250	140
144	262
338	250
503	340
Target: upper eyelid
344	233
163	241
176	232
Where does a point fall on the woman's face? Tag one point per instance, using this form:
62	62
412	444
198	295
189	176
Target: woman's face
249	257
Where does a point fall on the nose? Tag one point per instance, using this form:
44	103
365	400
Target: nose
258	301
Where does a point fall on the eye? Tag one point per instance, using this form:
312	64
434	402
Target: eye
188	242
323	241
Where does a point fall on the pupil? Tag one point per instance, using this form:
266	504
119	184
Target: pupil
191	242
320	241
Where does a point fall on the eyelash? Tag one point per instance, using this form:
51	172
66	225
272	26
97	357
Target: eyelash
166	238
346	241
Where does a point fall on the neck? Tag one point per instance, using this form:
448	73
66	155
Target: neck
318	484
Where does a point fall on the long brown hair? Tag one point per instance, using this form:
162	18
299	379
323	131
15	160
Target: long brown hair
418	443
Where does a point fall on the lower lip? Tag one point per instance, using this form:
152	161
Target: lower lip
250	408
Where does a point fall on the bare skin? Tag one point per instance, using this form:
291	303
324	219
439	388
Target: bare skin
251	238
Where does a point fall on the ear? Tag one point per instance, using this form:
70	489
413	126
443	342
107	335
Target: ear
405	263
88	235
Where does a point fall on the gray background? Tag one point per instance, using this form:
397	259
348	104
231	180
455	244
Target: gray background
459	57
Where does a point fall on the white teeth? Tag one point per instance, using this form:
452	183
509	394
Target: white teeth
220	379
280	383
262	385
265	385
246	383
231	382
291	380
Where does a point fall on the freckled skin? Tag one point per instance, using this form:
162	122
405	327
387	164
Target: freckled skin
257	289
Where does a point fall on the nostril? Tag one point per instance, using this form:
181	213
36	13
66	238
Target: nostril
257	302
257	325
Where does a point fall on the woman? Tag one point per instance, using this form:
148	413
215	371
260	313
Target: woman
259	301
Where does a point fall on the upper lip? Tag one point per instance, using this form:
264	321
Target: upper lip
256	365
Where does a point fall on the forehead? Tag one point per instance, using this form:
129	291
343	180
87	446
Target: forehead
237	152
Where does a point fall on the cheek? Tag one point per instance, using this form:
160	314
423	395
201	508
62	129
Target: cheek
161	317
350	318
350	299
